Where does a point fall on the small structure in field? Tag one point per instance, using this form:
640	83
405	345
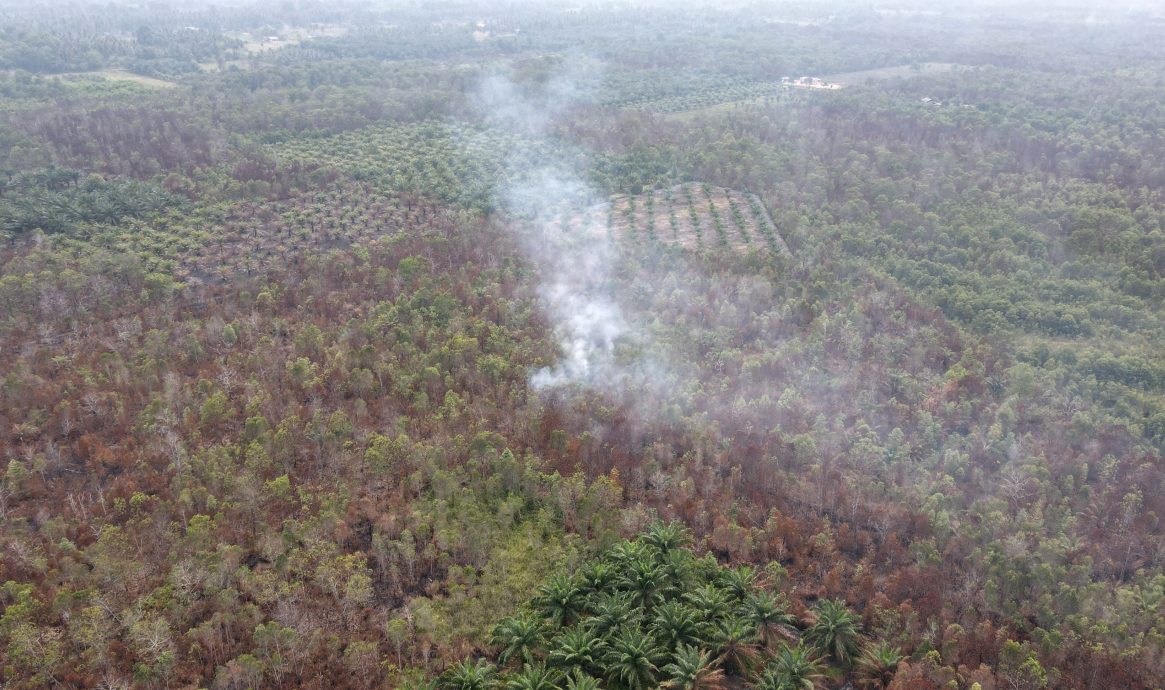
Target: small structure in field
809	83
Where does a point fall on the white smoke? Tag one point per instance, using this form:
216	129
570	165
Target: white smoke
577	282
576	264
588	327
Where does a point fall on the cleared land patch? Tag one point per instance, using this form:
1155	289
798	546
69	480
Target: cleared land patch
260	237
254	42
692	215
117	75
870	75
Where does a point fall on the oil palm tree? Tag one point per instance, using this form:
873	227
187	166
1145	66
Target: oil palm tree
560	600
768	614
679	571
643	578
666	537
579	646
877	665
692	669
534	677
709	600
596	577
836	632
466	675
676	623
581	681
632	659
613	611
626	552
518	637
734	640
739	582
793	668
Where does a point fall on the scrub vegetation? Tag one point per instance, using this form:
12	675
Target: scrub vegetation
527	345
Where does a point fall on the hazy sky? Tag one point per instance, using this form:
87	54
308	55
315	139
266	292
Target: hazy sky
824	5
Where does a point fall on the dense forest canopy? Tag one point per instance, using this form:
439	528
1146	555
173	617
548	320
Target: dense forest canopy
471	345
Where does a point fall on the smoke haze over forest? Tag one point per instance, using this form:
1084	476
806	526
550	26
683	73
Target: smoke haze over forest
582	345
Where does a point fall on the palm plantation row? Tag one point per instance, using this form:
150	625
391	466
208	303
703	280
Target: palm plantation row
649	613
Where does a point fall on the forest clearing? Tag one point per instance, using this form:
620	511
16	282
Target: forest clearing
694	216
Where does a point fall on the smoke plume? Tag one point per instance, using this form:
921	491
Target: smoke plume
576	263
